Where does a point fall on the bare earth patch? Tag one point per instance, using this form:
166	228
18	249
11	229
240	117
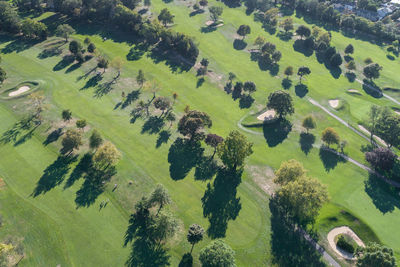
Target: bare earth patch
20	90
362	128
267	115
334	103
343	230
263	177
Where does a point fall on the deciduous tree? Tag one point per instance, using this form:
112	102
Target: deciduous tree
165	17
159	197
281	102
374	254
72	140
107	155
309	123
330	136
289	171
195	235
64	31
66	115
95	140
217	254
244	30
215	12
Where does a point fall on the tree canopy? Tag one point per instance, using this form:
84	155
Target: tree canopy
106	155
372	71
165	17
289	171
244	30
195	235
217	254
193	123
281	102
64	31
72	140
375	255
215	12
309	123
330	136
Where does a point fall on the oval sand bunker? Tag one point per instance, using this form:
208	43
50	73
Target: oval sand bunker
21	90
334	103
268	115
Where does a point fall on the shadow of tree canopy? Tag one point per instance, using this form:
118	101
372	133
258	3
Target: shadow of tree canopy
329	159
65	61
288	247
186	261
153	125
301	90
73	67
220	203
54	174
93	186
239	44
207	29
53	136
183	155
147	253
200	82
136	52
306	142
163	138
286	83
276	132
50	52
130	98
104	88
18	45
93	81
206	168
385	197
26	125
173	60
196	12
372	89
351	76
299	46
81	168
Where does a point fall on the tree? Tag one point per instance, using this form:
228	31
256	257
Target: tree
303	31
303	71
336	60
302	199
217	254
371	71
276	56
102	63
64	31
203	3
349	49
193	123
281	102
166	17
213	141
330	136
351	65
243	30
147	3
309	123
87	41
3	75
79	57
375	255
249	87
162	103
117	63
287	24
32	29
195	235
231	76
396	44
159	197
260	41
381	158
289	171
66	115
288	71
204	62
95	140
74	47
140	79
80	124
106	155
215	12
388	127
234	150
72	140
368	60
91	48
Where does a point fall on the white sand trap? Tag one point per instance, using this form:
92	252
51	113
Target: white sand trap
362	128
353	91
267	115
21	90
343	230
334	103
218	23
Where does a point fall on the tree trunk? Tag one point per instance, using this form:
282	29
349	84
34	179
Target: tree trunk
191	250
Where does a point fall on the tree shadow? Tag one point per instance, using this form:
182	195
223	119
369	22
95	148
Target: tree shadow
286	83
50	52
186	261
301	90
104	88
276	132
147	253
351	76
220	203
73	67
207	29
239	44
53	136
372	89
196	12
65	61
329	158
288	246
335	72
299	46
175	61
26	125
82	167
163	138
306	142
246	101
131	97
200	82
153	125
19	45
84	76
54	174
183	155
136	52
206	168
385	197
93	186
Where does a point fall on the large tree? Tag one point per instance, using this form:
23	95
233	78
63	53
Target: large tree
303	31
281	102
309	122
372	71
64	31
75	47
375	255
381	158
215	12
303	71
217	254
213	140
160	197
244	30
349	49
72	140
193	123
234	150
195	235
330	136
289	171
107	155
165	17
287	24
288	71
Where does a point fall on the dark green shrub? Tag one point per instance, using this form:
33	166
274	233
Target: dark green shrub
345	244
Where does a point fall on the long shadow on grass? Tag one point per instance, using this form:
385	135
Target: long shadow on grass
306	141
329	159
220	203
24	128
288	246
53	136
54	174
19	45
65	61
183	155
385	197
276	132
147	253
81	168
130	98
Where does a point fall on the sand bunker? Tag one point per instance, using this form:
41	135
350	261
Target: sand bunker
365	130
21	90
343	230
212	23
354	91
334	103
267	115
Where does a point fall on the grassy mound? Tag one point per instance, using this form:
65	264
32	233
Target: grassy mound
33	86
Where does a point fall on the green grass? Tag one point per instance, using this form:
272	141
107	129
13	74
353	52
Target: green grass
87	236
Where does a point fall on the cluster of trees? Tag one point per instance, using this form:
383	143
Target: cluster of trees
384	123
374	254
299	197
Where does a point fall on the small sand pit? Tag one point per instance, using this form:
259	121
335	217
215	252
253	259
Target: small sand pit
347	231
20	90
212	23
334	103
354	91
267	115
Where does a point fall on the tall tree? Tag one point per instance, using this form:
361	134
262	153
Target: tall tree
243	30
72	140
234	150
330	136
372	71
374	254
64	31
289	171
192	124
159	197
195	235
107	155
309	123
281	102
287	24
288	71
349	49
303	71
303	31
217	254
165	17
381	158
102	63
215	12
75	47
140	79
213	140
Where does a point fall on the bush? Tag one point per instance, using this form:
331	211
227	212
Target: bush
345	244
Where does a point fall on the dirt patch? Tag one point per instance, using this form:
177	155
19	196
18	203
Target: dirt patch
267	115
334	103
20	90
362	128
343	230
2	184
263	177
